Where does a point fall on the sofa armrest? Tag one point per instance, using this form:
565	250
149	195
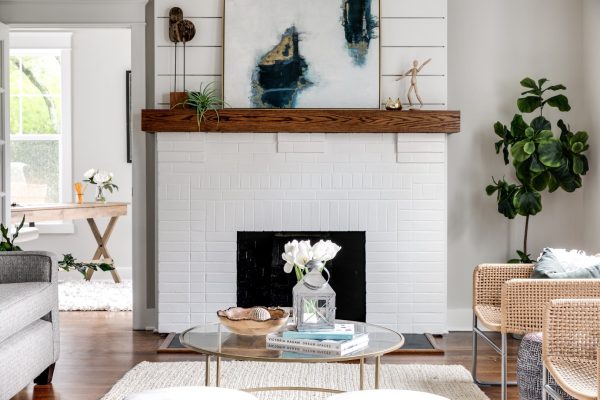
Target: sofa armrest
524	300
488	280
28	266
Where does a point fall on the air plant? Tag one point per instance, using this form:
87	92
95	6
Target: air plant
203	100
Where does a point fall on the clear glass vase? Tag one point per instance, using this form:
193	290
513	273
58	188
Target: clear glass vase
314	300
100	198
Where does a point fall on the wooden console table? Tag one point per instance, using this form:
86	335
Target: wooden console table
87	211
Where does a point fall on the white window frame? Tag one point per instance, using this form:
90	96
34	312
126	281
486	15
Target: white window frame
39	42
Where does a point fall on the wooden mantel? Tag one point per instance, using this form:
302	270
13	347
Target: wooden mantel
304	121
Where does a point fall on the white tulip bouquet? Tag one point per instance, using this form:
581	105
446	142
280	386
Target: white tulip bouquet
101	178
297	254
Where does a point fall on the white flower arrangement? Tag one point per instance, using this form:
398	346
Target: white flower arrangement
101	178
297	254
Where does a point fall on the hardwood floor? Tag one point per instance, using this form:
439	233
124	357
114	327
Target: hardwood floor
97	348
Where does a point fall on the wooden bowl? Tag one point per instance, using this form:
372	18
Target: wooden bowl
255	321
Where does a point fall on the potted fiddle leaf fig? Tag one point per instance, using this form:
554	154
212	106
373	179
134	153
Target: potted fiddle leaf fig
542	160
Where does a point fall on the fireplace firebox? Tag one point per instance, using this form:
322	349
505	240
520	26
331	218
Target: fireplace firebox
262	281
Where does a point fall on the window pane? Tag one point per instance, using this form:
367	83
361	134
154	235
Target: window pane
41	74
41	114
34	171
15	75
14	115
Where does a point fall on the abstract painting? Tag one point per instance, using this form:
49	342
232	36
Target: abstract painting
301	54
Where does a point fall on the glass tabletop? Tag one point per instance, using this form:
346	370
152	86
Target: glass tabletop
216	339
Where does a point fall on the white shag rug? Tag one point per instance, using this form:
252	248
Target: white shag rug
94	295
451	381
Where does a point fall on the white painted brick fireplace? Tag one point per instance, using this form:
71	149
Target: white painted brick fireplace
392	186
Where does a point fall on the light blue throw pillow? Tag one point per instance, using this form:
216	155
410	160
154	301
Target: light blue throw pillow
562	264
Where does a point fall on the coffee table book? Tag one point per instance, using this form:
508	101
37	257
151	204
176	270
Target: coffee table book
339	332
276	341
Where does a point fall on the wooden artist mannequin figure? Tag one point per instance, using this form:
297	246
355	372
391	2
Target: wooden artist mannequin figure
413	72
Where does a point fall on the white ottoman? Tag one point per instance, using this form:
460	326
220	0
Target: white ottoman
386	394
191	393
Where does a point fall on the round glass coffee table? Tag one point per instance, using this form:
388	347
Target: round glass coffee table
216	340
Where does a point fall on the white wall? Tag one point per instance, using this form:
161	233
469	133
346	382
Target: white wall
591	60
100	58
492	45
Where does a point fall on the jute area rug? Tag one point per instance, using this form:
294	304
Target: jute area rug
451	381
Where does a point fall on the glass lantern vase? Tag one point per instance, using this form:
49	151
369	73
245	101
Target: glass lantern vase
314	300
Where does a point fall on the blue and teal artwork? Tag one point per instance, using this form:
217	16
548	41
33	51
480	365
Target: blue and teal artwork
301	54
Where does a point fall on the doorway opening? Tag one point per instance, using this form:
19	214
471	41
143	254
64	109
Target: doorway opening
70	127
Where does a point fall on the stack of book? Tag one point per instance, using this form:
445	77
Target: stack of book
340	341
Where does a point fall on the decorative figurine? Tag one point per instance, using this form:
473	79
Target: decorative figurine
393	105
413	72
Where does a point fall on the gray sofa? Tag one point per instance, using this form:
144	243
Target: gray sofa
29	337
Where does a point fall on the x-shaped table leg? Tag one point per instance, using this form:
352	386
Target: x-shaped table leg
102	253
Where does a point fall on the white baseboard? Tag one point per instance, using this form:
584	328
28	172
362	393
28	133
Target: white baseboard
460	319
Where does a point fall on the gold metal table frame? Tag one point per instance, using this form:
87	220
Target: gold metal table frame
360	356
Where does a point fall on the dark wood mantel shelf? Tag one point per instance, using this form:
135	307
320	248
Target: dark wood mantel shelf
304	120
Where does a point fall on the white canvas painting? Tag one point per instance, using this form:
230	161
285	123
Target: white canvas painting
301	54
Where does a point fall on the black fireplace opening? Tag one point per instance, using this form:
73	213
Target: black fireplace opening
262	281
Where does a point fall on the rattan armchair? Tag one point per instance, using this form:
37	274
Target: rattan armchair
505	301
571	348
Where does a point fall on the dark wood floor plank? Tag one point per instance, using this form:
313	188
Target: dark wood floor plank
97	348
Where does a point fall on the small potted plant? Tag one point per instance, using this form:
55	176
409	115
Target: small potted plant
102	180
203	100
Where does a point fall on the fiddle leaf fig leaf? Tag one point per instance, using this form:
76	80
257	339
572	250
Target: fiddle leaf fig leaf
536	166
550	153
563	127
577	165
581	137
529	132
577	147
541	124
518	126
541	82
518	151
529	83
540	182
559	101
491	189
545	135
529	104
529	148
556	87
499	129
552	184
527	202
498	146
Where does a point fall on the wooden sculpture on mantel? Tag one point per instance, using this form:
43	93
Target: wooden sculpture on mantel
413	72
180	31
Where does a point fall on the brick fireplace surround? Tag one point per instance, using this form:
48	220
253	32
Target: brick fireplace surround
392	186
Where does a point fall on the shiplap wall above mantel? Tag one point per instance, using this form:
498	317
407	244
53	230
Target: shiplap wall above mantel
391	186
410	29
